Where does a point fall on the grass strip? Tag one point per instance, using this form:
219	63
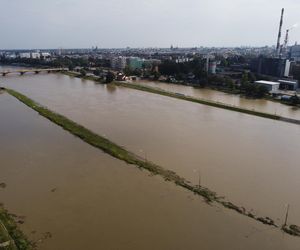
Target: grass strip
122	154
11	238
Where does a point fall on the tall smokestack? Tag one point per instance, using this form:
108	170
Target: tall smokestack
279	32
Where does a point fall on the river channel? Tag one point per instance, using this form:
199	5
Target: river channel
72	196
251	161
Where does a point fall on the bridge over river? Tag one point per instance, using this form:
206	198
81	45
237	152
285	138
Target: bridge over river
36	71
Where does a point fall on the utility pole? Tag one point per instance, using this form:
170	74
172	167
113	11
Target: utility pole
287	215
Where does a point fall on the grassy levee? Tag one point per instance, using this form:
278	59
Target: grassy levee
11	238
131	158
197	100
6	242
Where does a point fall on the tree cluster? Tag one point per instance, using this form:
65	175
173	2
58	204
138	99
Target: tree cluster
180	70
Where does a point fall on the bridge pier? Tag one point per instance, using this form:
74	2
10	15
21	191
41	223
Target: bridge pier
22	73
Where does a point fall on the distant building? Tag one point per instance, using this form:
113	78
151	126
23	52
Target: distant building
25	55
118	63
120	77
45	55
135	63
32	55
212	68
295	53
270	66
271	86
10	56
287	69
35	55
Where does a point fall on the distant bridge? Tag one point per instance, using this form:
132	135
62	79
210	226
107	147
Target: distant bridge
36	71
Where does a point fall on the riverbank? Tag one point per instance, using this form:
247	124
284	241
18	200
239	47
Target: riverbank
206	102
130	158
192	99
231	91
11	237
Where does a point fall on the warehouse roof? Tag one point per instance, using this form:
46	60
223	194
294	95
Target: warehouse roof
267	82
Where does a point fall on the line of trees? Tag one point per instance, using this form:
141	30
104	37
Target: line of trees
196	67
62	61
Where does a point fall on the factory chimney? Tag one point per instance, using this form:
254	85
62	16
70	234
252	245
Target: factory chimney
279	33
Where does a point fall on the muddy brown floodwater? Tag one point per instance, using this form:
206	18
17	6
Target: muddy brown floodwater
261	105
73	196
251	160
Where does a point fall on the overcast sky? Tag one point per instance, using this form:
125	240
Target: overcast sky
143	23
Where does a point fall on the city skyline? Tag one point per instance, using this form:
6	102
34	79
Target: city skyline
142	24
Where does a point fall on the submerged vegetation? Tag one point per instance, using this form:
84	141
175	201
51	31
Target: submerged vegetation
122	154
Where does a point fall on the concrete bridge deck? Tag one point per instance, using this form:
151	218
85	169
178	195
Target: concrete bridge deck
36	71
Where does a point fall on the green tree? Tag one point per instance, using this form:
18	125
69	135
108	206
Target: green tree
110	77
82	72
260	91
229	83
252	77
97	72
71	66
127	71
245	78
156	75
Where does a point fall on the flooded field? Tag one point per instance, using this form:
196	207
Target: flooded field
73	196
230	99
252	161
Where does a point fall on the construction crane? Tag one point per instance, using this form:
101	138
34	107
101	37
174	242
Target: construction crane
278	47
286	40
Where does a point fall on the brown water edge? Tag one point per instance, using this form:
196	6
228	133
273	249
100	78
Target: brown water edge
261	105
251	161
122	154
80	198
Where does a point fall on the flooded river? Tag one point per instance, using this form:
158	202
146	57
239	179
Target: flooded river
73	196
230	99
252	161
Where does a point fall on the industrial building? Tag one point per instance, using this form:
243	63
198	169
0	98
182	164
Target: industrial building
271	86
288	84
277	67
280	65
